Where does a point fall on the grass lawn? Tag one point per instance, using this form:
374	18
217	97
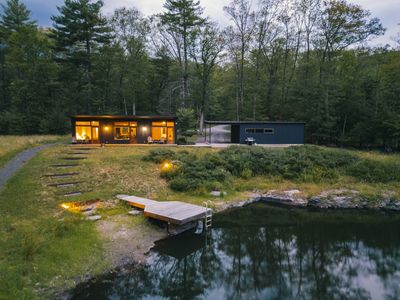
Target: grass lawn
44	248
11	145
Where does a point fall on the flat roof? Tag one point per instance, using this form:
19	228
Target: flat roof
129	117
250	122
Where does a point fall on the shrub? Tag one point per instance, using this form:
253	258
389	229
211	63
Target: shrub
159	155
181	140
375	171
306	164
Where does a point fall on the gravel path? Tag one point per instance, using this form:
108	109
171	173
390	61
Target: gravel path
17	162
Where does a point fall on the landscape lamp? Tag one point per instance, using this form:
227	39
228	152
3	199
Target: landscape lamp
166	166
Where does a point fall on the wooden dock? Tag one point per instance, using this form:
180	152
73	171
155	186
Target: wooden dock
172	212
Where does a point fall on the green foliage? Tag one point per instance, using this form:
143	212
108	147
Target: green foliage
159	155
302	164
79	33
186	120
375	171
348	96
15	16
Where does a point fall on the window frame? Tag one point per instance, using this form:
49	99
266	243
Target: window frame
260	130
120	127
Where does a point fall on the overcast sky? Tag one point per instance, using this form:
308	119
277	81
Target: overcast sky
388	11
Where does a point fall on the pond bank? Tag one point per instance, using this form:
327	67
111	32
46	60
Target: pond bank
121	238
330	199
128	240
285	253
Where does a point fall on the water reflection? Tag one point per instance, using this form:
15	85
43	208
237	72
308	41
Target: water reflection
266	252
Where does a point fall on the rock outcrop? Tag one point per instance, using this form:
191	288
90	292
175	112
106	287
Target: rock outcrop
334	199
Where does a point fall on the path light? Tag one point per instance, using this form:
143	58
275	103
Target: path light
65	205
166	166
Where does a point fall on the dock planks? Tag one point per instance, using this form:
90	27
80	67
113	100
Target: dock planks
174	212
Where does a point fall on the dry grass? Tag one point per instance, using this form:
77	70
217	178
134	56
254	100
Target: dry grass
44	248
121	170
10	145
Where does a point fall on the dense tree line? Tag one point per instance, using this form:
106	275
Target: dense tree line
300	60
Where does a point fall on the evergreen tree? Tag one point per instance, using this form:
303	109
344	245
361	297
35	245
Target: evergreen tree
80	32
15	17
182	20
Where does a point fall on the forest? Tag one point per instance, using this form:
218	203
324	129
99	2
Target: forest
292	60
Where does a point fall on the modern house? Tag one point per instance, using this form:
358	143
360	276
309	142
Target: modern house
92	129
261	132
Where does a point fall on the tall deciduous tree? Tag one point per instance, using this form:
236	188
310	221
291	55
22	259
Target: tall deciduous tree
342	24
131	34
181	20
80	31
240	36
205	51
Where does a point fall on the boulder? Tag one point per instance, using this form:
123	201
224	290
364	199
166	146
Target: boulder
93	218
135	212
217	193
289	197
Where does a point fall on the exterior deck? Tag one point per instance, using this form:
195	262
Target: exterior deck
172	212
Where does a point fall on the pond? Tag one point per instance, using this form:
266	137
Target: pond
267	252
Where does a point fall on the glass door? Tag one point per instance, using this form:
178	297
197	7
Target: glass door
170	135
95	135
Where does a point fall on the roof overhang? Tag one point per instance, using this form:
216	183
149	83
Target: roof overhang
122	117
249	122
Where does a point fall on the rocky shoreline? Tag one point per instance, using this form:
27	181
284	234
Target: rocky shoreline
330	199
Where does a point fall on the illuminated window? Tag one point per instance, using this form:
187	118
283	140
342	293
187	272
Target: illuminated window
170	135
95	133
83	133
121	124
95	123
121	133
133	132
163	123
133	124
170	124
159	133
80	123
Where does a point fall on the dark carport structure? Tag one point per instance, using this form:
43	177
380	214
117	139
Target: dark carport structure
263	132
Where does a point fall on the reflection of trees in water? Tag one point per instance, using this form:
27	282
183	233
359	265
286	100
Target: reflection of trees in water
324	261
188	277
299	262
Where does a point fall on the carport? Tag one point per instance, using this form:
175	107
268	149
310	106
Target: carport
263	132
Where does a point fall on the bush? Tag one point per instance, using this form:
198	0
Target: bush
301	163
181	140
375	171
159	155
304	164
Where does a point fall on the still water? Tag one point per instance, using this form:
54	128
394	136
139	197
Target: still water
264	252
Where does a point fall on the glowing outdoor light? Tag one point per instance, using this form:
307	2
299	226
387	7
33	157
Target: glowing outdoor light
144	128
166	166
65	206
106	128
